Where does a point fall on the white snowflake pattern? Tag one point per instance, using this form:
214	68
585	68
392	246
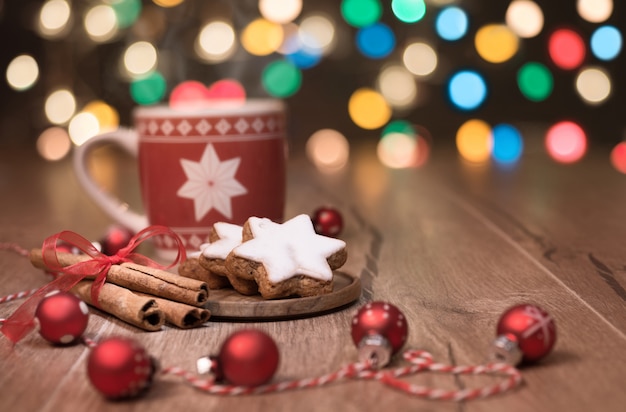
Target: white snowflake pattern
211	183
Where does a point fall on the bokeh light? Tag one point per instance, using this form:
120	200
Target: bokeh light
140	58
167	3
60	106
101	23
397	85
54	17
301	54
566	142
451	23
467	90
54	143
280	11
148	89
420	59
566	48
317	32
376	41
593	85
216	41
474	141
618	157
606	42
535	81
595	11
508	144
328	149
82	127
189	95
108	118
525	18
368	109
408	11
262	37
281	78
22	72
397	150
496	43
399	126
361	13
229	90
126	11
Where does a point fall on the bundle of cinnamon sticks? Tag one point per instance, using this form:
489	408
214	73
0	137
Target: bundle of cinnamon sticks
142	296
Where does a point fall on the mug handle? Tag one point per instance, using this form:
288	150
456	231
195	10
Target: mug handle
128	140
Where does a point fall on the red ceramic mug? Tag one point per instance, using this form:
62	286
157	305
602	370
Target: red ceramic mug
223	163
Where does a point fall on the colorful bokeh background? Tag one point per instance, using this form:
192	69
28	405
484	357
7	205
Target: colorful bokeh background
410	75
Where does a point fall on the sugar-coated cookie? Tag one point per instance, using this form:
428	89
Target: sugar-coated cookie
191	268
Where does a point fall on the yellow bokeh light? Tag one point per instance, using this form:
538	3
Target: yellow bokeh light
328	149
397	150
368	109
318	32
262	37
595	11
53	144
398	86
496	43
22	72
54	17
280	11
107	116
167	3
474	141
593	85
216	41
60	106
82	127
525	18
140	58
420	59
101	23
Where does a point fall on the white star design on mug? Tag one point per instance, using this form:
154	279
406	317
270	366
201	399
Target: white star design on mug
211	183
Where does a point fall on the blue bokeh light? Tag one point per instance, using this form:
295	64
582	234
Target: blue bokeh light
451	23
606	42
467	90
376	41
508	144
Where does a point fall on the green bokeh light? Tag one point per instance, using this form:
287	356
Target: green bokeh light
535	81
408	11
361	13
281	78
126	11
149	89
399	126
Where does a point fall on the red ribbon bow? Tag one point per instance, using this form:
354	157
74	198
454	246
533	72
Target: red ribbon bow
22	320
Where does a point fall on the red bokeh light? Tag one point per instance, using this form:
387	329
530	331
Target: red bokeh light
566	48
566	142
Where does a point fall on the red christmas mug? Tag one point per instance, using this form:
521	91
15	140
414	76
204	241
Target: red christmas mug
223	163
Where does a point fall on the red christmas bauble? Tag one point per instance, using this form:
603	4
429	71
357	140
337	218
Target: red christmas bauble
383	319
531	327
115	238
62	317
327	221
248	357
120	368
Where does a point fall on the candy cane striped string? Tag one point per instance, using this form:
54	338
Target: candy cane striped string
14	247
18	295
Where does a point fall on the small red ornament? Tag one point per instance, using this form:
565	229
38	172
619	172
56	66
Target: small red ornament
248	357
120	368
62	317
379	330
115	238
327	221
525	333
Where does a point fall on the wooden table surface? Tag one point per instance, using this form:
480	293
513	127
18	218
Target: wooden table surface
452	245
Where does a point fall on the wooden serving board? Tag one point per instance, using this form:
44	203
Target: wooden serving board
229	304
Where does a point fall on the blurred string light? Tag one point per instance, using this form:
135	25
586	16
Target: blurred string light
280	11
148	89
508	144
606	42
474	141
101	23
368	109
535	81
566	142
420	59
451	23
397	150
595	11
361	13
54	18
398	86
167	3
53	143
618	157
126	11
189	95
467	89
496	43
262	37
328	149
291	43
408	11
525	18
593	84
281	78
22	72
107	116
140	58
376	41
215	41
317	32
566	49
82	127
60	106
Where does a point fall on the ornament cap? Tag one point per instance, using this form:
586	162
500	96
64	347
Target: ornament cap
506	349
376	349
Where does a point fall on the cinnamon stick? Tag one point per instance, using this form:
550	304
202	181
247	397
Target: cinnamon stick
141	311
182	315
141	279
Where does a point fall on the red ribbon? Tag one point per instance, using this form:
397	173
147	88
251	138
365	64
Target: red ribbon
22	320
